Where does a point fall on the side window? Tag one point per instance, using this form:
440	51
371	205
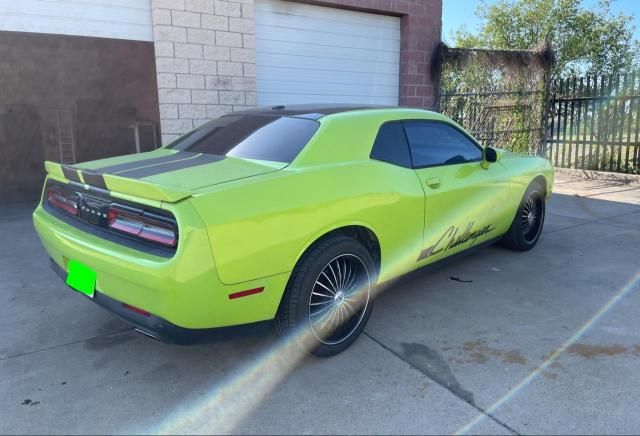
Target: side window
439	144
391	145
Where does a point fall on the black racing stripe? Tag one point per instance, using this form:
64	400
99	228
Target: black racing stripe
94	179
144	162
171	166
71	174
81	187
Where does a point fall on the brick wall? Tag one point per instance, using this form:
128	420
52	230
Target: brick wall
205	60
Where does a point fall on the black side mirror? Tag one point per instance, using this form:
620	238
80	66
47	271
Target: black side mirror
490	154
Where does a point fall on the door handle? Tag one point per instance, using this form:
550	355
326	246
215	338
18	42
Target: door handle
433	182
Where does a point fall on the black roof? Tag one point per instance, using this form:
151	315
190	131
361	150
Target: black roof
312	111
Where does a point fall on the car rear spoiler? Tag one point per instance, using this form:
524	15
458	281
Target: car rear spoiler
113	183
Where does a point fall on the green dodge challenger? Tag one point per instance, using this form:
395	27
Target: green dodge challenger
287	215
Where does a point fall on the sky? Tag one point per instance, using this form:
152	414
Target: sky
462	12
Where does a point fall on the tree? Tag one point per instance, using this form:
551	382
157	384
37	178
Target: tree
584	40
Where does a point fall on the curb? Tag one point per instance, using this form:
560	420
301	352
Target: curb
627	179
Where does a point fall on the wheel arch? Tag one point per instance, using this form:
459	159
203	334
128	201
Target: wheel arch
363	234
542	181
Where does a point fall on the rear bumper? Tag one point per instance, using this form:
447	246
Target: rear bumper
183	291
162	329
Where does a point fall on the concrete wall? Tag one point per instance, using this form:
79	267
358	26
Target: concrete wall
103	85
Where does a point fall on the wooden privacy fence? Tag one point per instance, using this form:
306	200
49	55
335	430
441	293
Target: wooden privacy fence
594	123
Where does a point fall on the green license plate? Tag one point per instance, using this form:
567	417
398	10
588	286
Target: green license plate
81	278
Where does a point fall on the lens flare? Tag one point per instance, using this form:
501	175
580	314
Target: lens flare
617	297
231	400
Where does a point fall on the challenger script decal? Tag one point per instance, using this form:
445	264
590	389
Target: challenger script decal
451	239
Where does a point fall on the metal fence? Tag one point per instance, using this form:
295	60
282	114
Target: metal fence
505	119
590	122
594	123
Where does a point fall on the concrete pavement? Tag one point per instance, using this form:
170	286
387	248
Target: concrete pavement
541	342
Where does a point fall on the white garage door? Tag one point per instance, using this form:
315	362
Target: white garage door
121	19
315	54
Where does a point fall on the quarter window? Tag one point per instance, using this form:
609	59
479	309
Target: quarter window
433	143
391	145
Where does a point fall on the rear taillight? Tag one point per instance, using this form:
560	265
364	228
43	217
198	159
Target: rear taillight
143	226
62	201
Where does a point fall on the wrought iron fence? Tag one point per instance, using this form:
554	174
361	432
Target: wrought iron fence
594	123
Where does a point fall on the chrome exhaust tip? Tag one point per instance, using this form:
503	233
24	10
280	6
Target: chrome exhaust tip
152	336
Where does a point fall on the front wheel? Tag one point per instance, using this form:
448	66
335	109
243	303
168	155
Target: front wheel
527	224
328	299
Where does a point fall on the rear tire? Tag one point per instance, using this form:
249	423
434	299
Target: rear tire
527	225
329	297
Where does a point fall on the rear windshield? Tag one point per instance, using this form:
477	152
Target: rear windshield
259	137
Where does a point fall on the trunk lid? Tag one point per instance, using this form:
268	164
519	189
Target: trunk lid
163	174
